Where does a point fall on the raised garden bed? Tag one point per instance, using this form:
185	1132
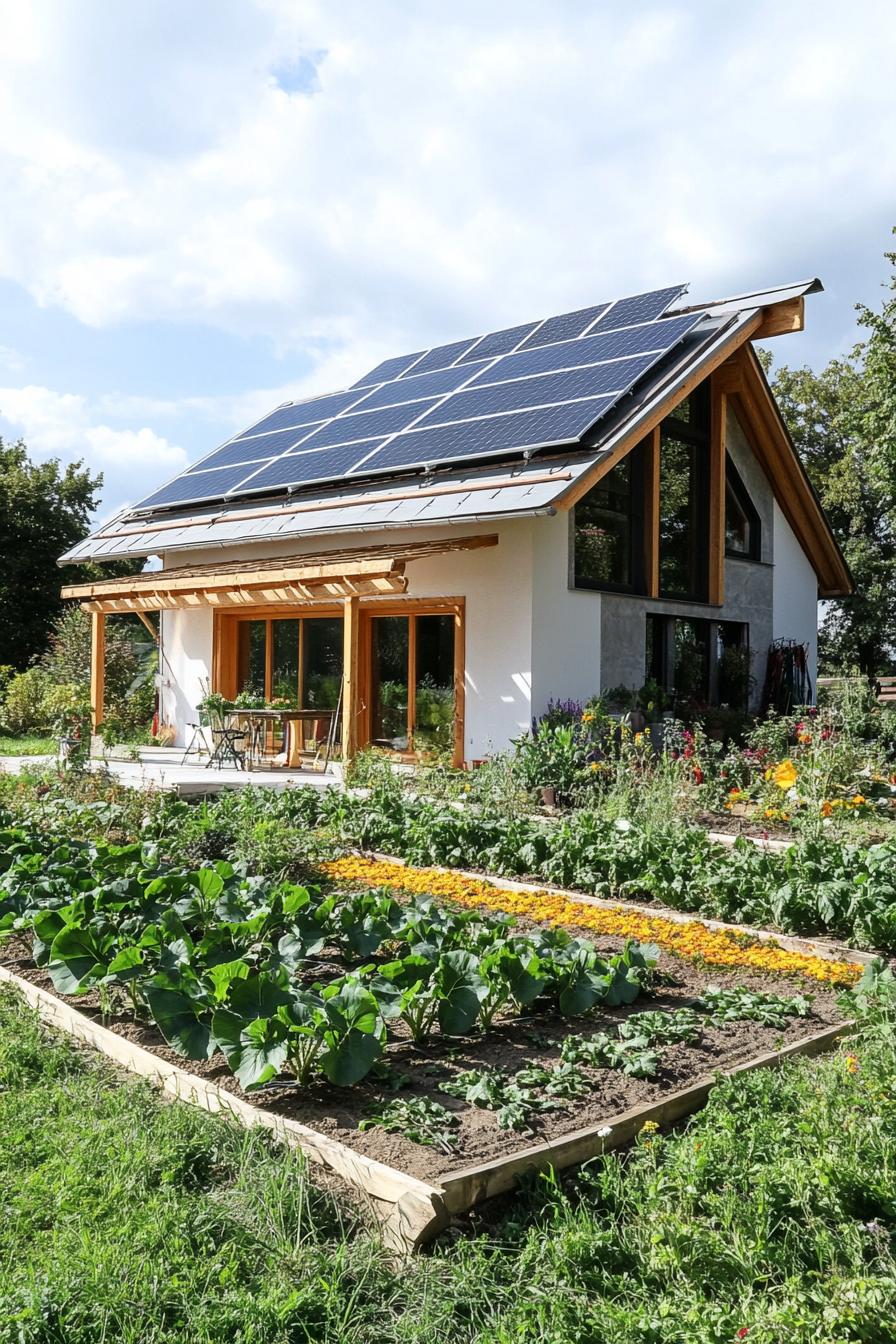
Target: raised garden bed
428	1052
413	1190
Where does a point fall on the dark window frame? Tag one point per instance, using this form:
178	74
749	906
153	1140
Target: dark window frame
696	434
734	482
637	583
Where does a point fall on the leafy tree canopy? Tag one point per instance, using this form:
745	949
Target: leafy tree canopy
843	422
44	510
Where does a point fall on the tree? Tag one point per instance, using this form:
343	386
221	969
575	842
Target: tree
44	511
843	423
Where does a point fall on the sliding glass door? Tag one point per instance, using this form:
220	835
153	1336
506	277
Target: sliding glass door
412	706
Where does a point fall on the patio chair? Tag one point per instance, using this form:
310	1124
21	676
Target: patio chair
228	742
197	744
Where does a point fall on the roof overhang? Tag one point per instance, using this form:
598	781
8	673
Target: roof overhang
743	380
286	580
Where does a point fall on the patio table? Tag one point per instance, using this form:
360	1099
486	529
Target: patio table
258	719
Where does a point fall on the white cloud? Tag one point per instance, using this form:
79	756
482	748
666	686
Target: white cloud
445	173
53	424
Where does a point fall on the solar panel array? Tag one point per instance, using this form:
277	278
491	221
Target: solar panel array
537	385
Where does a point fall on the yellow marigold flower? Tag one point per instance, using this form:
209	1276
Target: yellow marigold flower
685	938
804	738
649	1127
588	716
785	775
858	800
639	737
852	1064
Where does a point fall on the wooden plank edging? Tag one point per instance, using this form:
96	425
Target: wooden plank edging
408	1209
463	1189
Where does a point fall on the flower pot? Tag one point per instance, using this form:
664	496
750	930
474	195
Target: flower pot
549	796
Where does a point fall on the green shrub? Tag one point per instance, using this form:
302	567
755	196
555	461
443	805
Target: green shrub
24	702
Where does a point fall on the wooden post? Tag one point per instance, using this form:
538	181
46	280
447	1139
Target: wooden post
718	410
349	678
459	685
97	667
652	513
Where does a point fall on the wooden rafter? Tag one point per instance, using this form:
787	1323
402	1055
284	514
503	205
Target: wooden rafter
354	572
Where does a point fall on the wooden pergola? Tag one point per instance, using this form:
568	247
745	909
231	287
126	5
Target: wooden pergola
340	576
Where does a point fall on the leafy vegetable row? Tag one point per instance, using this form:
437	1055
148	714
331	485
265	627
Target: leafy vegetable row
815	886
222	961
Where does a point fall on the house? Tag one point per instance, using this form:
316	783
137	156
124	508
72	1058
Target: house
468	531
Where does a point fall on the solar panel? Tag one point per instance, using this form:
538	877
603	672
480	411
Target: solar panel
482	438
650	336
347	428
546	389
426	385
442	357
639	308
195	486
309	468
525	387
305	412
499	342
264	445
243	450
390	368
564	327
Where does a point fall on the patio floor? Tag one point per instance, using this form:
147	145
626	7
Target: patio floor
160	768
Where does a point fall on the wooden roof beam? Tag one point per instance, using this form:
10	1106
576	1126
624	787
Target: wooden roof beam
779	319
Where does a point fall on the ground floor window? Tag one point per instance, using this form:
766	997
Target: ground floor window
412	682
297	661
698	662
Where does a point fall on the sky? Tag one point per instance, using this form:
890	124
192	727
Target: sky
213	207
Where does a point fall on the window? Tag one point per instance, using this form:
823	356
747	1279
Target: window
684	498
298	660
698	661
412	682
608	529
735	664
742	534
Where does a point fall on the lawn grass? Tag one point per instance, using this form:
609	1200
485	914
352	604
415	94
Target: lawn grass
27	746
126	1218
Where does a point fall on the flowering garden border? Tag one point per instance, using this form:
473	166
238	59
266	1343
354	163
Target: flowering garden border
712	941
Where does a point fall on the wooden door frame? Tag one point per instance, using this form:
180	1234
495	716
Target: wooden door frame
413	606
225	645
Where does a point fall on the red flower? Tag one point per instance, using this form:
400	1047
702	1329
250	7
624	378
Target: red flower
742	1332
698	775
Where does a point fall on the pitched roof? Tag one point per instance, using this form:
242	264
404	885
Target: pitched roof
478	449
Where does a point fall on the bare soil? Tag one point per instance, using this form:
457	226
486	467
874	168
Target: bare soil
509	1046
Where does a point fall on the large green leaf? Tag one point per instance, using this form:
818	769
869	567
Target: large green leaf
347	1059
258	995
256	1051
178	1019
460	990
77	960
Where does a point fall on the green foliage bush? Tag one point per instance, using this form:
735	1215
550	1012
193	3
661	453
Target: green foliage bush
24	708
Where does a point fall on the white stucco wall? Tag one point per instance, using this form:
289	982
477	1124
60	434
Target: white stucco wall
496	583
795	592
566	645
186	649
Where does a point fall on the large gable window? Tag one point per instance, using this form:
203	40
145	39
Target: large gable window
742	534
684	498
608	529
